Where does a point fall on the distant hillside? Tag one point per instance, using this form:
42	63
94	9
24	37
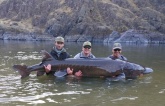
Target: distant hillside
96	18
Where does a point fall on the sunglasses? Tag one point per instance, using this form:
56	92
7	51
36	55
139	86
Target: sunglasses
117	49
87	46
60	43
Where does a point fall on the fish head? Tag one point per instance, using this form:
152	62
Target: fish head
133	70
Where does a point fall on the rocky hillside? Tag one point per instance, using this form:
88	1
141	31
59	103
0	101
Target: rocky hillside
81	18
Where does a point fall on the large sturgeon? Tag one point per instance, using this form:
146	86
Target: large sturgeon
89	67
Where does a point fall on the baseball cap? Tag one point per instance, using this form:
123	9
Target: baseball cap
87	43
117	46
59	39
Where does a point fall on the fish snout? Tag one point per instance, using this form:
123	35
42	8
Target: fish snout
147	70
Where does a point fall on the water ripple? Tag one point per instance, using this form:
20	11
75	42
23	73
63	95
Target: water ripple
123	98
162	91
37	97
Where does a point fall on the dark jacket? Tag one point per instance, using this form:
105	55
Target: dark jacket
61	56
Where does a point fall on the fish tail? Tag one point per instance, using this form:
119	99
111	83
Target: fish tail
22	69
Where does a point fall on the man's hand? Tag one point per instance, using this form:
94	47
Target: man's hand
69	71
47	68
78	74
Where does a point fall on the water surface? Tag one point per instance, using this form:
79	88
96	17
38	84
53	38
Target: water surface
148	90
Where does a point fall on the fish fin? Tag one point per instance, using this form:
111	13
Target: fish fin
22	69
46	56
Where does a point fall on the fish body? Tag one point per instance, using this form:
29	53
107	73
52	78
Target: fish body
90	67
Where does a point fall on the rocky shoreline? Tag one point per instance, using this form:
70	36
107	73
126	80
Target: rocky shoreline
135	21
130	36
136	36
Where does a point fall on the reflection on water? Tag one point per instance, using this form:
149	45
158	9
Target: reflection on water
72	91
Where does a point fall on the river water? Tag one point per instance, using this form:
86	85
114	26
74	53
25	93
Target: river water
148	90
